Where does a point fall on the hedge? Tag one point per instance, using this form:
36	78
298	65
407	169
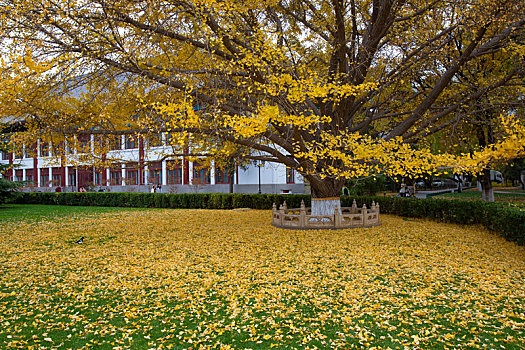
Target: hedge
502	218
162	200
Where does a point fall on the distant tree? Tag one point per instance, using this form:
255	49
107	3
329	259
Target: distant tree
482	111
367	186
6	187
513	170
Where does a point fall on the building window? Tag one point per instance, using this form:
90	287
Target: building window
290	176
201	174
58	149
29	178
155	173
115	176
28	150
131	142
70	143
19	154
115	142
99	143
98	177
132	174
44	177
72	179
18	175
174	172
155	176
84	141
29	175
44	150
57	180
155	140
5	156
56	176
222	176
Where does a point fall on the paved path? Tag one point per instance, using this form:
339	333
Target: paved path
518	193
426	194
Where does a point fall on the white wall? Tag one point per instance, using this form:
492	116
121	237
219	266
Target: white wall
271	173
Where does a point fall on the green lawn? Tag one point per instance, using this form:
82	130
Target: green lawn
21	212
157	279
513	196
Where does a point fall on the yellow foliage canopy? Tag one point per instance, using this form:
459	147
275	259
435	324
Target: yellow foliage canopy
333	89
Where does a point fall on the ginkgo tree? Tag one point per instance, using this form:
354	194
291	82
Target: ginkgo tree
334	89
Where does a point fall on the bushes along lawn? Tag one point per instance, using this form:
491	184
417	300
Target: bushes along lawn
505	219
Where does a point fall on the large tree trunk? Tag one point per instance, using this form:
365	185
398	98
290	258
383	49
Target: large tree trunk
326	195
459	180
522	180
325	206
485	138
487	191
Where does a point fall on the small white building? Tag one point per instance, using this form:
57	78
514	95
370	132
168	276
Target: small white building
142	169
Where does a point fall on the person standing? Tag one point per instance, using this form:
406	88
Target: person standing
403	190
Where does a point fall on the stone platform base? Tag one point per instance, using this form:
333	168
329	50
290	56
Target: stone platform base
348	217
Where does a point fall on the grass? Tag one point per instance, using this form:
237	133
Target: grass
22	212
512	196
189	278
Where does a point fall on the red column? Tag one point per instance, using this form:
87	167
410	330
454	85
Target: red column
35	165
62	172
63	176
141	160
186	169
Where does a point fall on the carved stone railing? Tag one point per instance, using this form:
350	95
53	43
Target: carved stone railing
349	217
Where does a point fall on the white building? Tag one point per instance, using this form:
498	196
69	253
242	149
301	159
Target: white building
142	169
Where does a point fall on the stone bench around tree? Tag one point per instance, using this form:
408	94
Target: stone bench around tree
348	217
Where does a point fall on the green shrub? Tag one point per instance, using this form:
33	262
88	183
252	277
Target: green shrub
242	201
220	201
502	218
161	200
